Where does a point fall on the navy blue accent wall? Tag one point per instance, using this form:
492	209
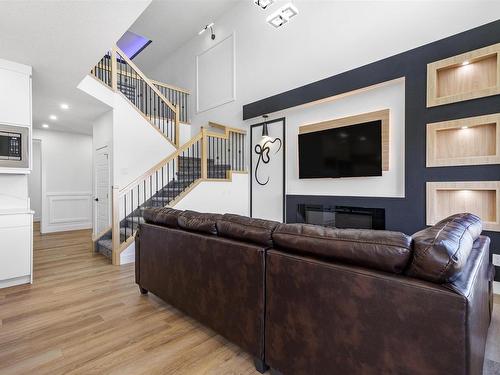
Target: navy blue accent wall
402	214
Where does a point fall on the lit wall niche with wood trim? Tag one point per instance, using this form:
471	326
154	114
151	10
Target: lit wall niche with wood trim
467	141
382	115
467	76
481	198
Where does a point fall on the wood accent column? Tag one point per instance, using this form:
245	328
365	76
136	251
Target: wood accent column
114	69
115	225
204	154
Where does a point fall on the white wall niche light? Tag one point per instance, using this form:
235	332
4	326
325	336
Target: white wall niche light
282	15
263	3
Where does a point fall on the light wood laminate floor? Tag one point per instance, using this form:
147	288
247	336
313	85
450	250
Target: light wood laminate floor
85	316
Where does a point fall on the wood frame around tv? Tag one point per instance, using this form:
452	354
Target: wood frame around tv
382	115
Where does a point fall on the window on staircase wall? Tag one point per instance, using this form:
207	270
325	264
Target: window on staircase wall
132	44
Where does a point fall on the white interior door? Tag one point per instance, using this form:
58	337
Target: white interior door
267	183
102	191
35	180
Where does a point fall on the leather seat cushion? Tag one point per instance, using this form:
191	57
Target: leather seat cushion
199	222
441	251
246	229
164	216
381	250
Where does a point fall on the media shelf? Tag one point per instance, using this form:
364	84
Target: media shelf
481	198
467	141
471	75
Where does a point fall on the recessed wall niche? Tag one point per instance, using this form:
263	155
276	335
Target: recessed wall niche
481	198
467	141
471	75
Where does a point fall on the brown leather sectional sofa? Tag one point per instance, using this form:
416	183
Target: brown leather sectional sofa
304	299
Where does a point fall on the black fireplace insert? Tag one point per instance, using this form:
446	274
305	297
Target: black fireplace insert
341	216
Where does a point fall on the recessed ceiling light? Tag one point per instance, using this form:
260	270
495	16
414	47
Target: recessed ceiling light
465	127
263	3
282	15
45	126
53	117
64	106
466	62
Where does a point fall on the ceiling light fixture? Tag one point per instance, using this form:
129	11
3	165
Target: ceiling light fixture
282	15
263	3
53	117
466	62
265	130
211	27
465	127
64	106
45	126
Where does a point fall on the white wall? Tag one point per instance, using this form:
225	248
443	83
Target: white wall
326	38
137	146
218	197
392	183
66	180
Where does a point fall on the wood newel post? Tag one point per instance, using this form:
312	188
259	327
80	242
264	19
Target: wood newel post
177	126
114	69
115	225
204	154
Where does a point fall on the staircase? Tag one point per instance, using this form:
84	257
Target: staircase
212	155
189	171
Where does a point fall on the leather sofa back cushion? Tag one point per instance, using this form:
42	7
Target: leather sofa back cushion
441	251
381	250
243	228
164	216
199	222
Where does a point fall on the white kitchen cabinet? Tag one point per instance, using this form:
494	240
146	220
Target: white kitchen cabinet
16	247
15	93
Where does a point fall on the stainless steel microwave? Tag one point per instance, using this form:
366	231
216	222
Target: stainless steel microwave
14	144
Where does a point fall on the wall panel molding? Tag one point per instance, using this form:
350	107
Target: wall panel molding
69	211
216	75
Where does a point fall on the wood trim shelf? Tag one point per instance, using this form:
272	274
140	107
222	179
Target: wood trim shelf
471	75
467	141
481	198
382	115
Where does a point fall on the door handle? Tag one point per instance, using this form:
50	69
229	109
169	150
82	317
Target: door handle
96	199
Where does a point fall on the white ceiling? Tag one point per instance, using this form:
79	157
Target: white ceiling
62	40
171	23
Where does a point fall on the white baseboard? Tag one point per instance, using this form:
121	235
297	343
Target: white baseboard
66	227
15	281
496	287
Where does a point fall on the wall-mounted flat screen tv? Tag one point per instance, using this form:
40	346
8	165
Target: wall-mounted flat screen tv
348	151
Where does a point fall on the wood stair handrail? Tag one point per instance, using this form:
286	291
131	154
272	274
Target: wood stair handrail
146	79
161	163
171	87
202	136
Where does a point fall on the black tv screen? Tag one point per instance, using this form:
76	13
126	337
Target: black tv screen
349	151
